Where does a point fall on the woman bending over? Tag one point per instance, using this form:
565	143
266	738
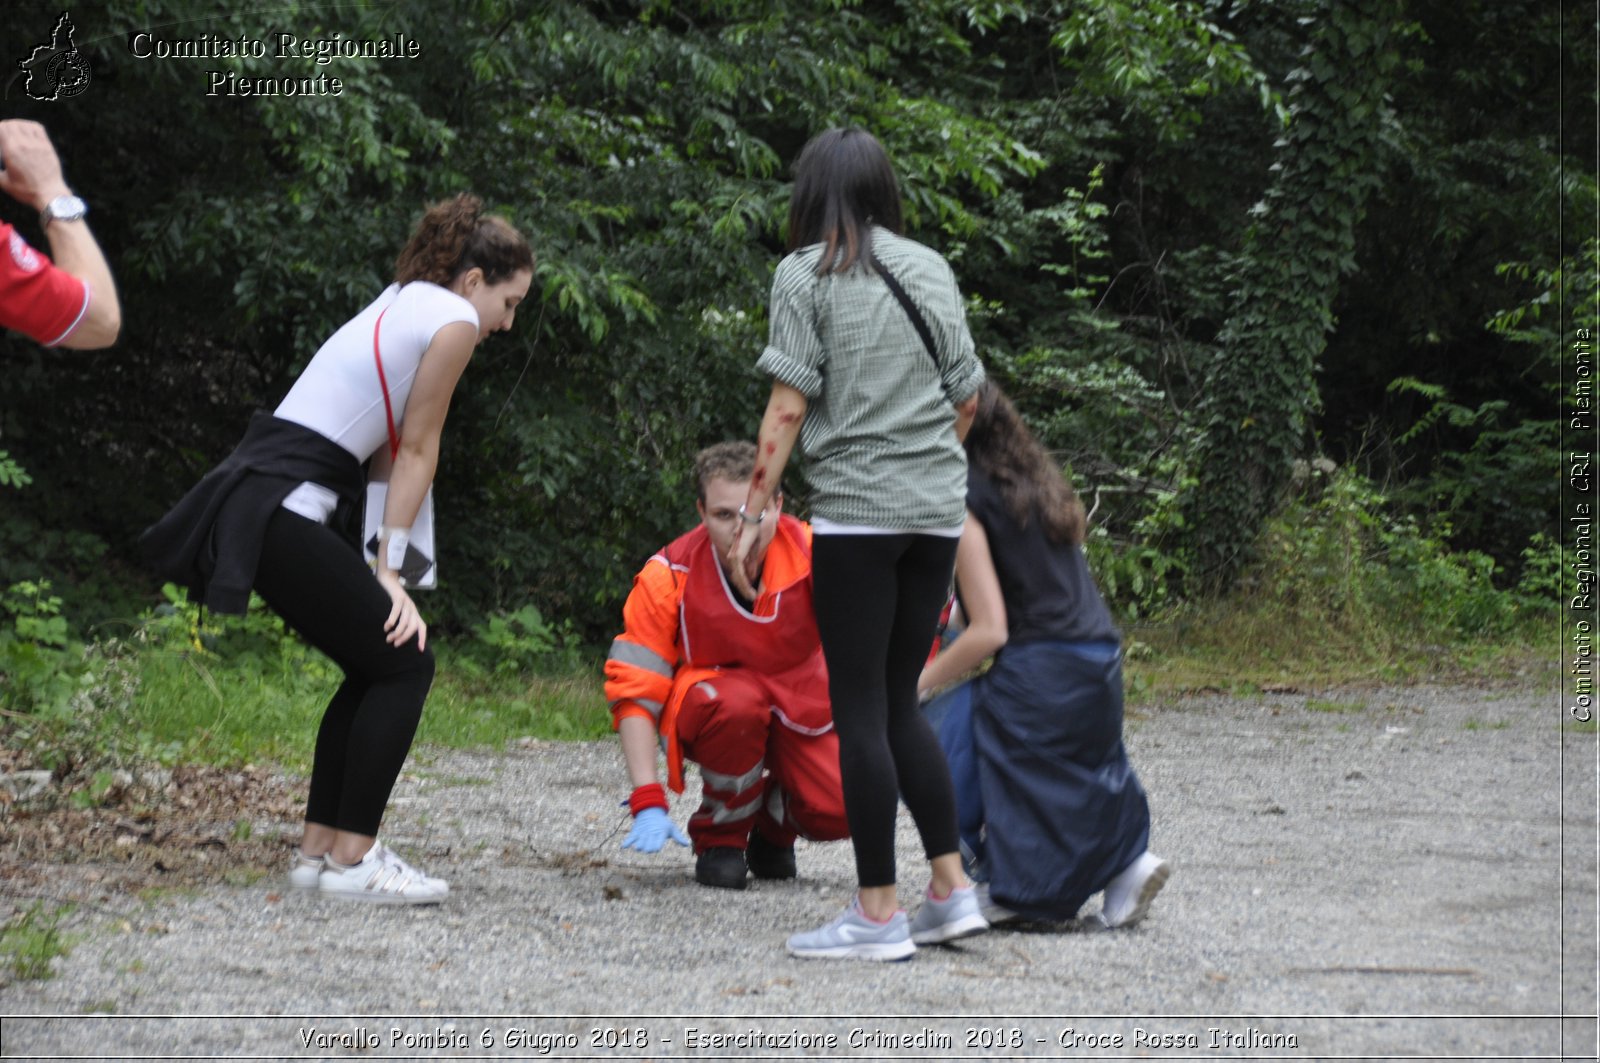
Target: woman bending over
282	515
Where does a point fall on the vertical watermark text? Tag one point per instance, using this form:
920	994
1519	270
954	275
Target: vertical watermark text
1579	493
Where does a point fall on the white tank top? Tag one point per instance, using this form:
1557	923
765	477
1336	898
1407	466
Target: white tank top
338	394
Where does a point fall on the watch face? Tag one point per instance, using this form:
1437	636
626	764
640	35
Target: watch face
66	208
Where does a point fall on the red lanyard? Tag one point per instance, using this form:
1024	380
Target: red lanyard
388	409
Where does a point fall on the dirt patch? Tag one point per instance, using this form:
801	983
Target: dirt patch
135	830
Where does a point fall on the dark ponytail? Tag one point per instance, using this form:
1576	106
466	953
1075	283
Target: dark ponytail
456	235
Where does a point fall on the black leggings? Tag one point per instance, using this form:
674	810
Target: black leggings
877	600
323	589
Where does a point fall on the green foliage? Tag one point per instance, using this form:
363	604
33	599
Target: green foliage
41	666
1140	578
1161	58
465	711
1197	240
66	705
1343	558
521	642
257	641
32	938
1538	589
243	689
1301	241
1497	487
12	474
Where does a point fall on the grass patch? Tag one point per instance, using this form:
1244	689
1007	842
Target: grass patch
250	710
31	939
467	711
230	712
1241	646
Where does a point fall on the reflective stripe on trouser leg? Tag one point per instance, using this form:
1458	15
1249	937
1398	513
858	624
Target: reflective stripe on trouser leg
728	806
724	724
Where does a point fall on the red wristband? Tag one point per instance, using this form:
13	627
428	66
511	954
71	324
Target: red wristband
650	795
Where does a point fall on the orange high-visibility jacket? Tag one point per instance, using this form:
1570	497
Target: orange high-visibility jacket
681	590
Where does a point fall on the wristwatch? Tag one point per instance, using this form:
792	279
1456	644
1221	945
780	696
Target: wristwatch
748	519
63	208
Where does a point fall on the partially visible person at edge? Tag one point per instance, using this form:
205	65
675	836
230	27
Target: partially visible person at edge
71	302
282	515
736	684
880	417
1051	810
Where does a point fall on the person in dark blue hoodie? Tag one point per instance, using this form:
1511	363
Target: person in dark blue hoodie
1051	810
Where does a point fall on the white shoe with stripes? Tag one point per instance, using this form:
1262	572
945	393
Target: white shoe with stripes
304	871
381	877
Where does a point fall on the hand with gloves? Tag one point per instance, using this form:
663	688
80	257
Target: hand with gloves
652	827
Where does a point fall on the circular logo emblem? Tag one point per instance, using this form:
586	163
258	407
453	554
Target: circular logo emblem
67	75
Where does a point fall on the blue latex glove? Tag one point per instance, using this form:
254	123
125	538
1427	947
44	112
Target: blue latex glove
651	829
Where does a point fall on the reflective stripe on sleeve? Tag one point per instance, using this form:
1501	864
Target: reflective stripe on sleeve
652	707
639	656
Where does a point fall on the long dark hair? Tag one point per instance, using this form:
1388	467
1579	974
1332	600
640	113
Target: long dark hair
843	185
456	235
1030	482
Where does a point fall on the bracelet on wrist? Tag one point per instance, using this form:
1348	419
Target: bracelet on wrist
393	542
650	795
748	519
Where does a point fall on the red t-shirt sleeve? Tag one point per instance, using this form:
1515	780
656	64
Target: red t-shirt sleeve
37	298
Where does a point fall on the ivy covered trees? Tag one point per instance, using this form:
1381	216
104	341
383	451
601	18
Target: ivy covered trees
1201	240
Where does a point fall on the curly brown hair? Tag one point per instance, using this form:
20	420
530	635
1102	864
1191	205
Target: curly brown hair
734	461
456	235
1030	482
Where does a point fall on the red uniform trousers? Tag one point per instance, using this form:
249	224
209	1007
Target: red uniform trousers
758	768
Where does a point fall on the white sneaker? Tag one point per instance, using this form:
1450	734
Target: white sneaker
304	870
994	912
380	878
1128	896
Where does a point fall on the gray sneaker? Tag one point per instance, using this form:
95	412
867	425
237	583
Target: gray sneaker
852	936
957	916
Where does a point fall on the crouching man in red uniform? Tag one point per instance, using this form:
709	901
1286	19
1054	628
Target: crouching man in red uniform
738	687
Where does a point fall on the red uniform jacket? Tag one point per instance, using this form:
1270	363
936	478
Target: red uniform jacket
682	624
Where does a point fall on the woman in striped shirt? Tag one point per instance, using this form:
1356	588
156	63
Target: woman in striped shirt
874	374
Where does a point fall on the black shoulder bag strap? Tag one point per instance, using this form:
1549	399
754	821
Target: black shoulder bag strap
911	310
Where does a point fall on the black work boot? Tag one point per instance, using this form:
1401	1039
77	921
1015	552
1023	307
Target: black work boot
721	867
767	860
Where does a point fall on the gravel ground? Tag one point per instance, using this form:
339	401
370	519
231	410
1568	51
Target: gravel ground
1383	873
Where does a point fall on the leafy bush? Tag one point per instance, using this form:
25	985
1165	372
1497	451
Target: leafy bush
520	643
1339	555
258	641
1140	576
66	705
41	666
